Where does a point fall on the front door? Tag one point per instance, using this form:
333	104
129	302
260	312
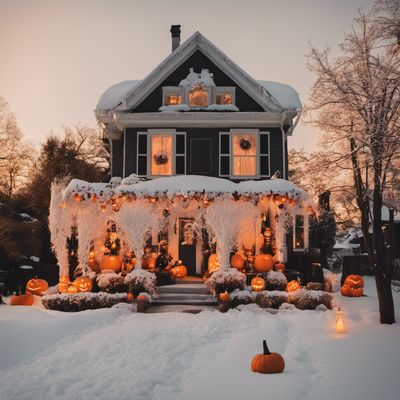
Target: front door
187	244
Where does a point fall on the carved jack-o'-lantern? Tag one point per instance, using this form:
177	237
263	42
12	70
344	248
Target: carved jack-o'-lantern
180	271
257	284
73	289
37	286
263	262
292	286
237	261
353	286
83	283
213	263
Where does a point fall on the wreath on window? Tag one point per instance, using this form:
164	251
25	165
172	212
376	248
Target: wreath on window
160	158
245	144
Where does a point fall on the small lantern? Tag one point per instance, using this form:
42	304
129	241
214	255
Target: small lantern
257	284
339	321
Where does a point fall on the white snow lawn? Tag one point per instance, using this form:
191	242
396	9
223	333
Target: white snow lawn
116	354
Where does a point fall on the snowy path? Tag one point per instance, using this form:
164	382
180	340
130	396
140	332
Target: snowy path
116	354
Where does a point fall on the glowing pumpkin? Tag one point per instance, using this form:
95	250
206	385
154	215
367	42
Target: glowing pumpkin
37	286
292	286
257	284
354	281
83	283
213	263
73	289
348	291
267	363
111	263
263	262
92	262
280	267
22	300
237	261
180	271
224	297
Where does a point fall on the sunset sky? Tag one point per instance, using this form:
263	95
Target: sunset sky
57	57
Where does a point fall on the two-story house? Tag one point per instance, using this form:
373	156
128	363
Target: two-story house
195	127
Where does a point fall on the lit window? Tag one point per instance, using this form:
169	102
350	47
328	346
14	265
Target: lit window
172	99
244	154
198	97
299	232
161	154
224	98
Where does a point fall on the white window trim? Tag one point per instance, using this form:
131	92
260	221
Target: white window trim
223	90
294	233
171	132
265	154
250	132
174	91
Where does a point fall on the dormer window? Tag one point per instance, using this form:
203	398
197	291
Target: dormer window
198	97
225	98
172	96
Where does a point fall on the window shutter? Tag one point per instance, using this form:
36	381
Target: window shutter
224	154
142	154
180	153
264	155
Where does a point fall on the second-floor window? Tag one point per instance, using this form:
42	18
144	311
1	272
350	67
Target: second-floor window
198	97
244	150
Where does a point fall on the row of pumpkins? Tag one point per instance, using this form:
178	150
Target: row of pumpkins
262	263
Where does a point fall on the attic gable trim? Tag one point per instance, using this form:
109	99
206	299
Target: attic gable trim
198	42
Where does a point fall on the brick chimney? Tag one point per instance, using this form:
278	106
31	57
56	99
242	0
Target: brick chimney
176	36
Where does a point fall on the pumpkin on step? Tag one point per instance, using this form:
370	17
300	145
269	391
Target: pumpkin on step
257	284
180	271
237	261
22	300
37	286
263	262
267	363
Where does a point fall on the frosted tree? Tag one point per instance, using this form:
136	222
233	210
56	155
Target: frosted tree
225	219
136	223
60	222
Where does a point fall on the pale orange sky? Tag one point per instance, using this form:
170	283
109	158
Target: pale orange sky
57	57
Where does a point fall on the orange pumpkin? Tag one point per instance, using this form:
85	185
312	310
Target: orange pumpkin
348	291
22	300
280	267
83	283
180	271
292	286
130	297
73	289
268	363
213	263
130	265
354	281
149	262
77	197
111	262
37	286
237	261
263	262
92	262
224	297
257	284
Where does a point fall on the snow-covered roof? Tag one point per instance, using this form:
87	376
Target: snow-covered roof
287	96
113	96
186	185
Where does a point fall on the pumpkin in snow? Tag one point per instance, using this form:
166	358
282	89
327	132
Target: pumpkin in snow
267	363
22	299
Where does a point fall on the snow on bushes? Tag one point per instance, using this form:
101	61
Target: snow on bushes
331	281
272	299
140	280
229	280
242	297
82	301
310	299
112	282
274	280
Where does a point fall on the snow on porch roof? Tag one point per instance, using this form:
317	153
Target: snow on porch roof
187	185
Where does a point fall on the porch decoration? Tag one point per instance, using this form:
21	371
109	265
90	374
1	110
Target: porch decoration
64	284
280	267
257	284
339	321
237	261
292	286
245	144
267	363
83	283
353	286
213	263
113	263
160	158
179	271
263	262
73	289
22	299
224	297
37	286
92	262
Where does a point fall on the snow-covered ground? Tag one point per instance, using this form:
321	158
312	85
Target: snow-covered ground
116	354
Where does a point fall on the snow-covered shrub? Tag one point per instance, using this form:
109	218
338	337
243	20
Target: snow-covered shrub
82	301
274	280
112	282
272	299
305	299
331	281
221	281
242	297
132	179
287	307
140	280
315	286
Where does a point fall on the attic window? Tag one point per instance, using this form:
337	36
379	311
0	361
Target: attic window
172	99
224	99
198	96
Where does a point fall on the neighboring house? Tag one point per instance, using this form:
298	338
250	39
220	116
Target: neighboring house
199	129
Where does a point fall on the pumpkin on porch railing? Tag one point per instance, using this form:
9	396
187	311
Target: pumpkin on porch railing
257	284
111	263
83	283
37	286
237	261
263	262
213	263
267	363
292	286
179	272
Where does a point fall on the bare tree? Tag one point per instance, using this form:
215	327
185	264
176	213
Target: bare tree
356	102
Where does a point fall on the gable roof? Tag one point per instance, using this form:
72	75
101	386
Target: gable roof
277	101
